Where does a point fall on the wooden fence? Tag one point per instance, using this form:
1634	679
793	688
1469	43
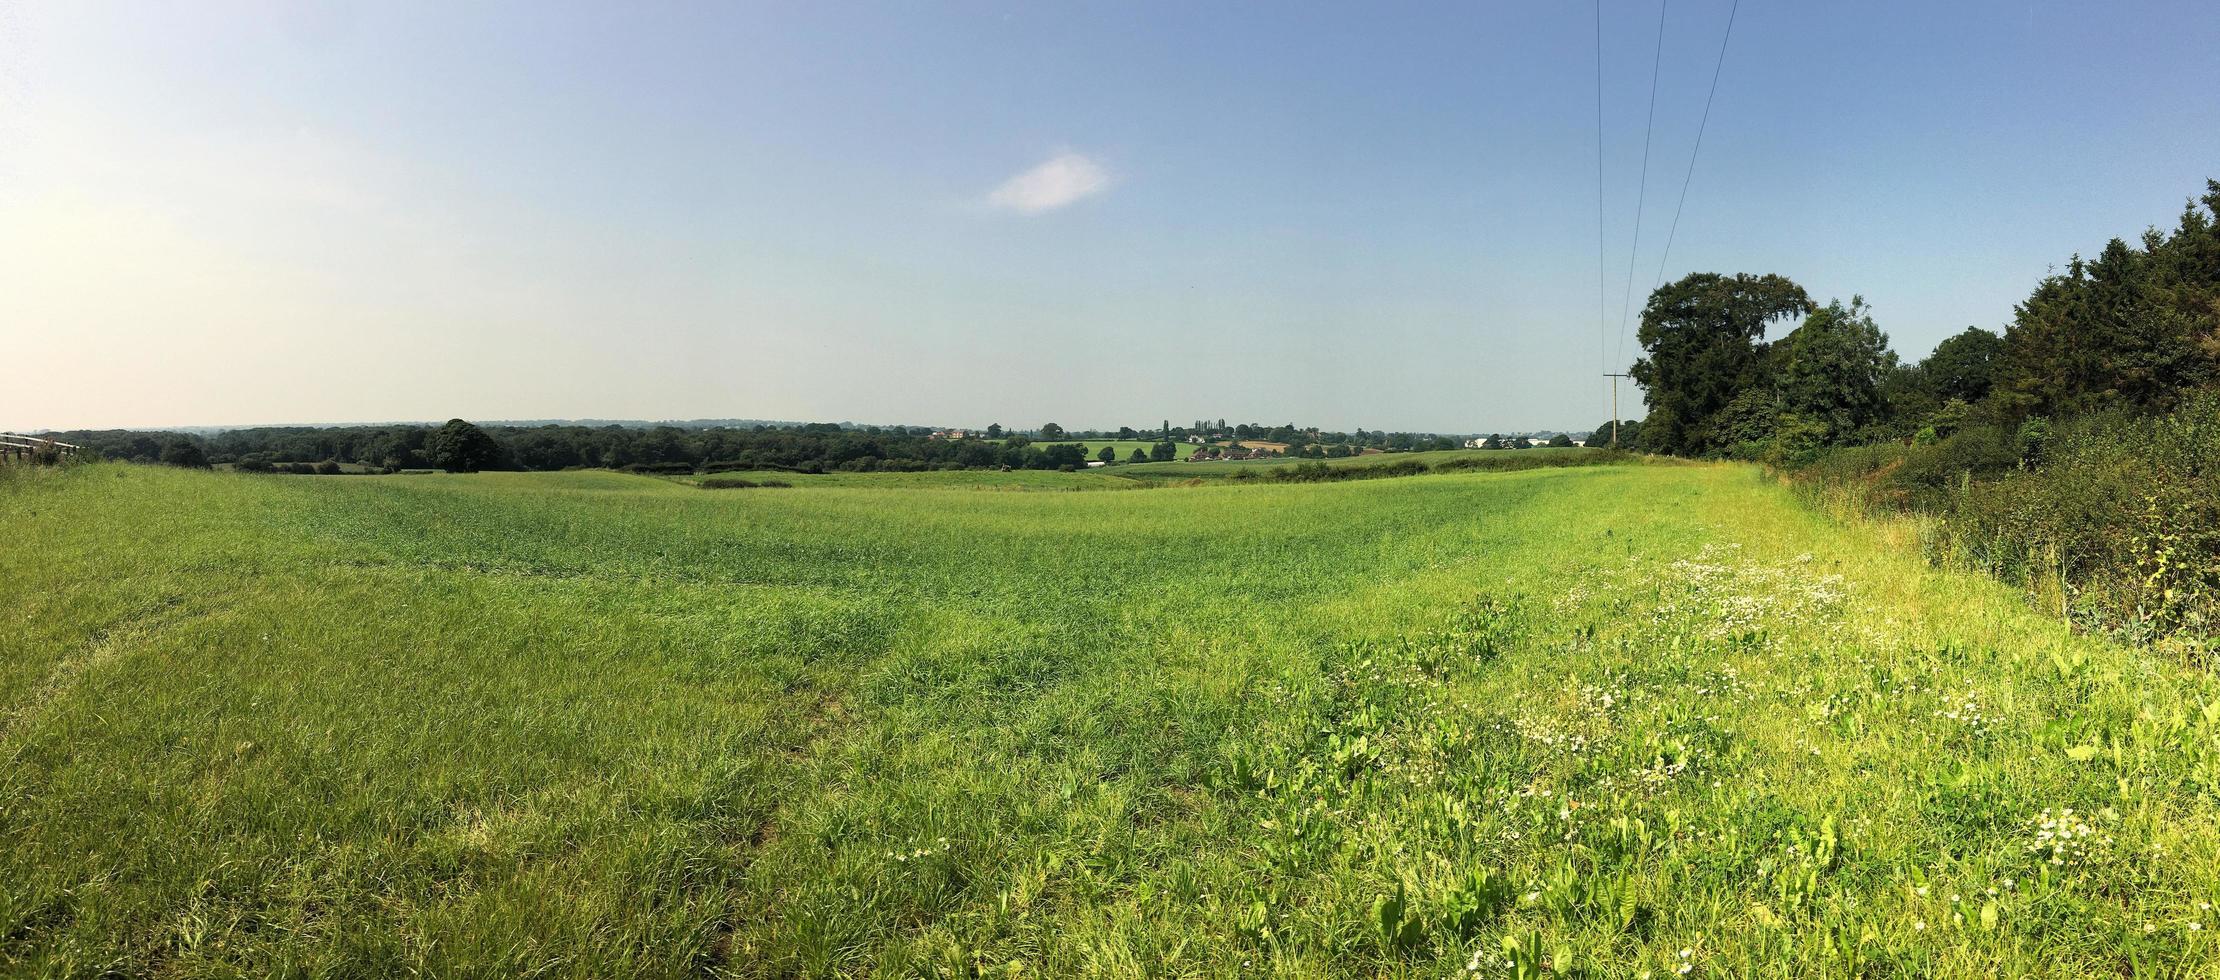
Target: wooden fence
19	448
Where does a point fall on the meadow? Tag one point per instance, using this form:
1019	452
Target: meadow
1606	721
1102	478
1448	459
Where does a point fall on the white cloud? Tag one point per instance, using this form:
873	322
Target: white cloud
1058	181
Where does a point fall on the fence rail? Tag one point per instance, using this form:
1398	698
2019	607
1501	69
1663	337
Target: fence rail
17	447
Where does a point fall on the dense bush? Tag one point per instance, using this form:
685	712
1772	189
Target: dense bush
2125	512
1533	461
1316	471
2116	514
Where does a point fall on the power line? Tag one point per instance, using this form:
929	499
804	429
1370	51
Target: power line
1685	181
1641	196
1603	260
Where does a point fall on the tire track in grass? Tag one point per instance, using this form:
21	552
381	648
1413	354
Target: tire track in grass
103	645
748	812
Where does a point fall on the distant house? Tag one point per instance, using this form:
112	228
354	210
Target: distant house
1197	440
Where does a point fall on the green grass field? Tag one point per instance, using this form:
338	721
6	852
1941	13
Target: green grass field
1618	720
1103	478
1477	458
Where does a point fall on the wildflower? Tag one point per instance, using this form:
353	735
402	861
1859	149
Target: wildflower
2064	838
1920	926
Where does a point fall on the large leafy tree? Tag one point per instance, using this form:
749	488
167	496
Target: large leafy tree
184	452
1832	375
1960	373
460	447
1704	341
1630	432
1963	366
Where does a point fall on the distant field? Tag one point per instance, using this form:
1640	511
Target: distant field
1125	447
1480	458
1105	478
344	467
1616	720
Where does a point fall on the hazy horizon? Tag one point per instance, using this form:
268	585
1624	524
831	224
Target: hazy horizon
742	422
224	214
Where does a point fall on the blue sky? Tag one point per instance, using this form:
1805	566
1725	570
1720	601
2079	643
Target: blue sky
1354	215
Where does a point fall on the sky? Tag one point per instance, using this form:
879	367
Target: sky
1351	215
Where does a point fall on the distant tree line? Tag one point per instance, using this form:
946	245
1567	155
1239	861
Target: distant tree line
462	446
808	448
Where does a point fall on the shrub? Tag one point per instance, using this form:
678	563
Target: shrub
2115	514
1407	467
1931	471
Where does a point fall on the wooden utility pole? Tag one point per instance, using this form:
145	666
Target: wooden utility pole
1615	409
